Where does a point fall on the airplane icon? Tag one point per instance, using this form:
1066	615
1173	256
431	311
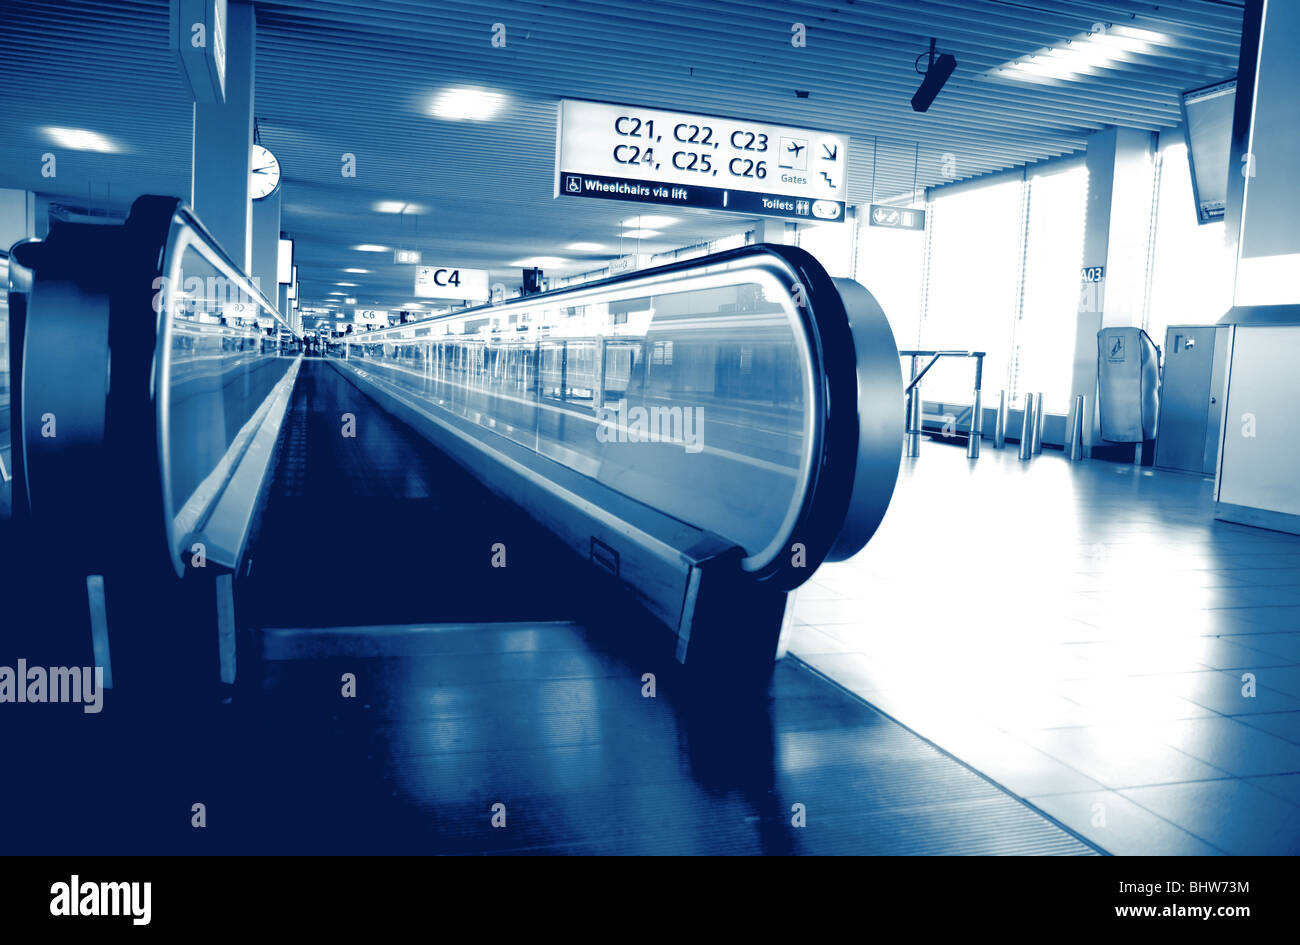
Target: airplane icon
794	154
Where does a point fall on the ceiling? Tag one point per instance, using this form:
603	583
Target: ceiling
336	76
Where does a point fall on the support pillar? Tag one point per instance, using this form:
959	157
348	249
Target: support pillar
223	141
265	253
17	217
1120	162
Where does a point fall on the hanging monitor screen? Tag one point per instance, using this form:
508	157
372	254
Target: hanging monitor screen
1207	122
625	152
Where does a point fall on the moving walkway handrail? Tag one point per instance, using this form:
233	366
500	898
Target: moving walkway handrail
846	361
185	231
110	291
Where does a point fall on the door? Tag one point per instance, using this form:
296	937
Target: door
1185	397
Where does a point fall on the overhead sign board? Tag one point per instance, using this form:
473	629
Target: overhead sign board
628	263
408	256
198	34
451	282
625	152
897	218
284	262
369	317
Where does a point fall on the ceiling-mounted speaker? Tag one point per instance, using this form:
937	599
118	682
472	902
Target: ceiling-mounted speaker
936	75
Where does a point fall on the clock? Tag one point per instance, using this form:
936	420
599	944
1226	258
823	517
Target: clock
264	175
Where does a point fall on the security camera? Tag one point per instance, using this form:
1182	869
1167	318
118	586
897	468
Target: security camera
936	75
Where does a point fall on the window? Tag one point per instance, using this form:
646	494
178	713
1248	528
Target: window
1043	348
1001	276
831	244
1192	267
972	284
891	264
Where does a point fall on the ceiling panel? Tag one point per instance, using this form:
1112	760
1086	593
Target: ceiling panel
336	76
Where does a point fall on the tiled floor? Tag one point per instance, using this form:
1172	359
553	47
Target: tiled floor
1086	635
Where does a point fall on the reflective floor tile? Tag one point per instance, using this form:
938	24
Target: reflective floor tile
1285	786
1228	653
1284	725
1119	756
1229	745
1226	692
1119	826
1286	645
1237	817
1279	678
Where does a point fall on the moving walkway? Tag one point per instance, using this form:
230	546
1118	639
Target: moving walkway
705	434
325	534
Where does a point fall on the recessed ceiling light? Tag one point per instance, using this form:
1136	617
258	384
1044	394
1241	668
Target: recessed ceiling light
79	139
648	220
467	104
581	247
370	248
539	262
397	206
640	234
356	270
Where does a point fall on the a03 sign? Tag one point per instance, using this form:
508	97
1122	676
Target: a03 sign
448	282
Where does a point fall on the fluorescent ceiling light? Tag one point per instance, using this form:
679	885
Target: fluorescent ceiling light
581	247
371	248
1082	54
467	104
640	234
348	284
336	293
79	139
397	206
356	270
539	262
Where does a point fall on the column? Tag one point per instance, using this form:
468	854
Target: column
17	217
265	252
1116	234
223	141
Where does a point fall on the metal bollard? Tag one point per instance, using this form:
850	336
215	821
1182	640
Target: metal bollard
914	422
1075	449
1039	416
914	415
1028	424
1000	424
976	428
